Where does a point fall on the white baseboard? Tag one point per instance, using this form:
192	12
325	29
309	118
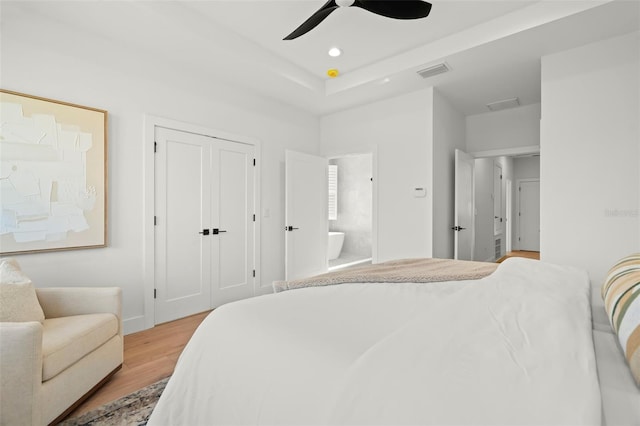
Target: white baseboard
133	325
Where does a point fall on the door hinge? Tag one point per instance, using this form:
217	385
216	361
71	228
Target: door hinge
254	273
254	217
155	220
155	293
254	162
155	147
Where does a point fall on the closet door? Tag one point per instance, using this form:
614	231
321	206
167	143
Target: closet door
183	224
204	223
233	216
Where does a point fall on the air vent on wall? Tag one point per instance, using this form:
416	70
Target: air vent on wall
504	104
433	70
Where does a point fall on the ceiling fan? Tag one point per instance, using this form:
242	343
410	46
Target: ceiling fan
398	9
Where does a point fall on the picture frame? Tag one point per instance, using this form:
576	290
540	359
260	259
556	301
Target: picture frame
53	175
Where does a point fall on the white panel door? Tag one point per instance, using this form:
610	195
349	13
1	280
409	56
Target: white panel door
497	199
183	212
529	214
205	225
306	220
463	206
232	221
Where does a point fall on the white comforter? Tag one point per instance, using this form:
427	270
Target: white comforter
513	348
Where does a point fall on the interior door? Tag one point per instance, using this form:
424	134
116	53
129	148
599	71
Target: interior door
497	199
463	206
306	220
529	215
183	217
204	223
232	221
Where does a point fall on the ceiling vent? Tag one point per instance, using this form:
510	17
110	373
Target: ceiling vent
433	70
503	104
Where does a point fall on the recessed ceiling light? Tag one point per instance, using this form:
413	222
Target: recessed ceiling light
335	52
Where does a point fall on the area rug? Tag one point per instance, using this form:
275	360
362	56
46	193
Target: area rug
130	410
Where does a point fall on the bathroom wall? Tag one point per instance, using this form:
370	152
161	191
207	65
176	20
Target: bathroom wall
354	203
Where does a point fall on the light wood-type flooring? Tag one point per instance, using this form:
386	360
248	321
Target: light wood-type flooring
149	356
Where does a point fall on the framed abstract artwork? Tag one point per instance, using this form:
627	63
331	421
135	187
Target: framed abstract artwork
53	175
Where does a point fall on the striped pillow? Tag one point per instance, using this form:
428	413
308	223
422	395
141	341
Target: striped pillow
621	294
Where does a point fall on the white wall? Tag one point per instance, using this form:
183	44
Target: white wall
401	129
526	167
55	62
506	129
448	134
590	141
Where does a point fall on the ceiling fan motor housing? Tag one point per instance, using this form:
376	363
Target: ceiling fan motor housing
345	3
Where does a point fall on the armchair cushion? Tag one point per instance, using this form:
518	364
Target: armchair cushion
68	339
18	299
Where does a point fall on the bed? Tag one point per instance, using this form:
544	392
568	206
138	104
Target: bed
514	347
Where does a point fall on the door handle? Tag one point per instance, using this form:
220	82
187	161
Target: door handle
217	231
457	228
204	232
290	228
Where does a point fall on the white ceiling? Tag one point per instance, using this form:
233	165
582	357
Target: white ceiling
492	47
365	37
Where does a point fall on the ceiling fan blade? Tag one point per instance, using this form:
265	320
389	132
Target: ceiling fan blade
314	20
398	9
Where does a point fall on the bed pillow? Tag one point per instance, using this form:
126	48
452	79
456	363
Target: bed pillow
621	294
18	299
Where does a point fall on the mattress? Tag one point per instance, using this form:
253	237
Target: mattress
620	395
515	347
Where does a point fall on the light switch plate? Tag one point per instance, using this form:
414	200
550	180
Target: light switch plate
419	192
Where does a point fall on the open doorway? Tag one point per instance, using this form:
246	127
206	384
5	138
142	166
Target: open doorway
498	230
350	211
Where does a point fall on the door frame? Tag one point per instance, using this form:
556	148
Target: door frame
508	193
373	150
518	183
147	320
374	193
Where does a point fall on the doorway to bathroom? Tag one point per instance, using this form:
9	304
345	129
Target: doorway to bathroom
350	211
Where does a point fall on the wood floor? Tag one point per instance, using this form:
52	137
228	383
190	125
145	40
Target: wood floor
149	356
520	253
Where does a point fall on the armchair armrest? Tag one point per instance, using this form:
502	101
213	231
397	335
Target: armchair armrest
66	301
20	372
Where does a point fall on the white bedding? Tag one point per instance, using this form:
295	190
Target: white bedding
512	348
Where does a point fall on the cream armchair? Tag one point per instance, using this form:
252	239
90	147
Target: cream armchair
48	368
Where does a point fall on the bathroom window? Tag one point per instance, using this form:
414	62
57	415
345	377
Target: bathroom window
333	192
